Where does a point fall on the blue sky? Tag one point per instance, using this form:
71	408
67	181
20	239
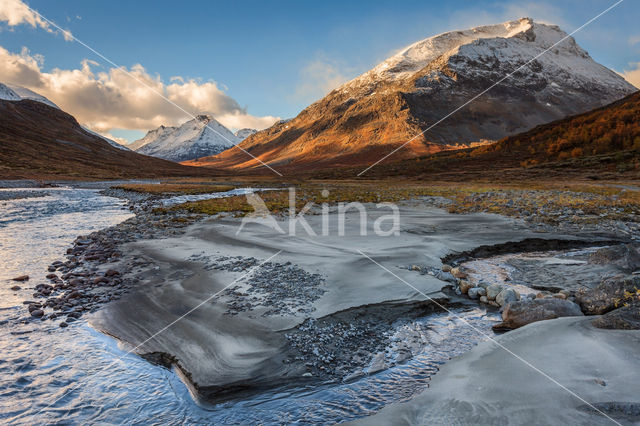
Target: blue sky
274	58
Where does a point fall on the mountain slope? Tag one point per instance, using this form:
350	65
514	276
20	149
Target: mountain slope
603	140
200	137
368	117
38	140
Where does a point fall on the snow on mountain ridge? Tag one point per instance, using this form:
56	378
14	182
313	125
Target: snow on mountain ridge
518	41
242	134
199	137
11	92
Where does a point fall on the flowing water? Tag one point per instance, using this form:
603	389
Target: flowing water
77	375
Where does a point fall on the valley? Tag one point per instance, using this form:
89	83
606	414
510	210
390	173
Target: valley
451	237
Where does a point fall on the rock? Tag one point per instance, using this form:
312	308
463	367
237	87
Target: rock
99	280
507	295
21	278
64	324
37	313
517	314
113	272
15	288
560	296
493	290
607	295
465	286
625	318
458	273
446	268
476	292
624	256
484	299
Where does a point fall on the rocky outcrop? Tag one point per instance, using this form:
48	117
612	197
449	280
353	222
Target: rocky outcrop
608	295
625	318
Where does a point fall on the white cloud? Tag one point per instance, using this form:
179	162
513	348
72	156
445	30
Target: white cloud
319	77
110	99
121	141
633	75
16	12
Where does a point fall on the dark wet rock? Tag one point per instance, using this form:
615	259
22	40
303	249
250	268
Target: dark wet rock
625	318
64	324
518	314
111	273
37	313
607	295
15	288
624	256
21	278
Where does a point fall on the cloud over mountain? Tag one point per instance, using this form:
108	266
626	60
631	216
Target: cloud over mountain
110	98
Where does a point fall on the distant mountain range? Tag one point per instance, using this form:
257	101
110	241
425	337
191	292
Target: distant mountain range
203	136
39	140
368	117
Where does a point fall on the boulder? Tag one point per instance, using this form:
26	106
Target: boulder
484	299
465	286
507	295
21	278
608	295
476	292
493	290
517	314
625	318
458	273
37	313
446	268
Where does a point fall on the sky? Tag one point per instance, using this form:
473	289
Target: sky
249	63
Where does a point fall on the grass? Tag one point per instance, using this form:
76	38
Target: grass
174	188
546	199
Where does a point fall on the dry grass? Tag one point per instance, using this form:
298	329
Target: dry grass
174	188
586	201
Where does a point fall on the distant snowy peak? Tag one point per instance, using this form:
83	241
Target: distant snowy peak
203	136
242	134
12	92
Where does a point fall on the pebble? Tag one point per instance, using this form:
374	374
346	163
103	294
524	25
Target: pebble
21	278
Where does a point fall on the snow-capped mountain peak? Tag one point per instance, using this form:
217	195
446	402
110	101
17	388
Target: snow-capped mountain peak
11	92
199	137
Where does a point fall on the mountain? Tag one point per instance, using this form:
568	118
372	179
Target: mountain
242	134
200	137
601	143
368	117
38	140
12	92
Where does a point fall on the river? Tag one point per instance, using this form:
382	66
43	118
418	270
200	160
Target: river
78	375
